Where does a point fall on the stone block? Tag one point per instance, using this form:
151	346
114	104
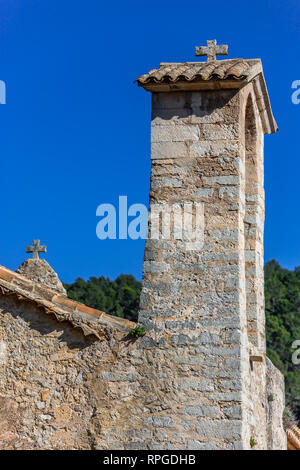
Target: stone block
219	428
197	445
222	180
175	133
198	385
203	411
234	412
168	150
220	131
160	421
155	267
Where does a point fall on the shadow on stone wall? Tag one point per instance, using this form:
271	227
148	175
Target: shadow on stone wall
45	324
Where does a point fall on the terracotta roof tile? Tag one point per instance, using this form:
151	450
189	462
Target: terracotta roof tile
90	311
237	69
6	274
41	291
65	301
116	320
293	438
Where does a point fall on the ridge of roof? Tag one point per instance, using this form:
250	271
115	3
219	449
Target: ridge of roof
204	62
201	71
89	320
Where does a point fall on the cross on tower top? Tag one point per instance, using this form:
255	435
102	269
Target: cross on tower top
211	50
36	249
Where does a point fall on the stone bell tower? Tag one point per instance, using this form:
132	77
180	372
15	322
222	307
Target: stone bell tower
205	368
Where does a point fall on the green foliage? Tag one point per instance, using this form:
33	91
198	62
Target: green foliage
120	297
138	332
289	418
252	442
282	305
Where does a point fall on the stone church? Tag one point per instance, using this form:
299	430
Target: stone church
73	377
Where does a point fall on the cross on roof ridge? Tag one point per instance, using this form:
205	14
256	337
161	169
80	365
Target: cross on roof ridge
212	50
36	248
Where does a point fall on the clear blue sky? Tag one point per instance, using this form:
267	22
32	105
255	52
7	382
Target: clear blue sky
75	131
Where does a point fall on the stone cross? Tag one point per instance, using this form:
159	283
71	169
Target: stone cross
211	50
36	249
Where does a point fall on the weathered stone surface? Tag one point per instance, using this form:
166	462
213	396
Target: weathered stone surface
58	388
40	271
205	411
207	146
275	408
226	429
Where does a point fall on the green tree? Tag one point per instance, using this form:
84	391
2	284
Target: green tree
282	305
120	297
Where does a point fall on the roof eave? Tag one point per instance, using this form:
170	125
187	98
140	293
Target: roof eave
195	85
264	105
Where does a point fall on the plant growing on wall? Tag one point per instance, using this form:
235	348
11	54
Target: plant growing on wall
138	332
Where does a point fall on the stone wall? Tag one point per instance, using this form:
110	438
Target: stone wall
59	389
275	407
193	300
251	144
203	308
62	390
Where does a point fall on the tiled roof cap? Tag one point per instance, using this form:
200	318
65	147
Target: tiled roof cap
293	438
214	75
233	69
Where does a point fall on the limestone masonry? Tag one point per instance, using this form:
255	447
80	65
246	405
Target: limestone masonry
72	377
